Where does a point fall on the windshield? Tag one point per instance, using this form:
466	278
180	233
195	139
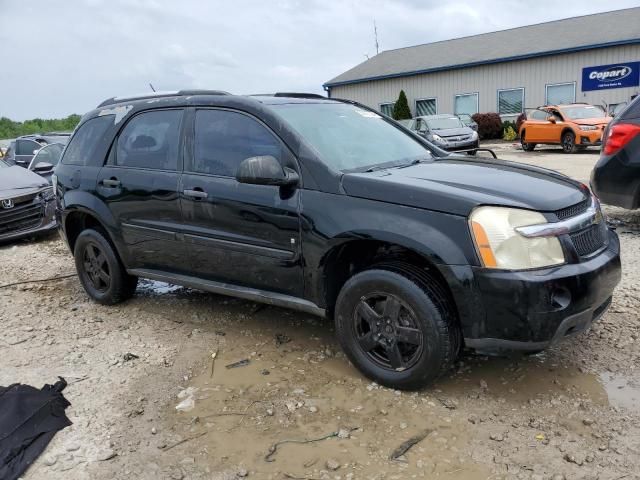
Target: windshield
443	123
350	138
586	111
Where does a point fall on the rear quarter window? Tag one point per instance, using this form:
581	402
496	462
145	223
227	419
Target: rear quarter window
89	143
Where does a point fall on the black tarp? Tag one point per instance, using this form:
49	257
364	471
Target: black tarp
29	418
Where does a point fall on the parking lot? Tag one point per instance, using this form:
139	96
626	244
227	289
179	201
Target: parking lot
292	406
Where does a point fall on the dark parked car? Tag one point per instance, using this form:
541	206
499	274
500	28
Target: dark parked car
445	131
327	207
616	176
26	203
22	149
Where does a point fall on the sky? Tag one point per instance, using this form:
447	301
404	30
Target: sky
66	56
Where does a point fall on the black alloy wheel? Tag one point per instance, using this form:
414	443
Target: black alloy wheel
96	267
569	142
387	331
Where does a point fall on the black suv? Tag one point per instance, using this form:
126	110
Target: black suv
22	150
327	207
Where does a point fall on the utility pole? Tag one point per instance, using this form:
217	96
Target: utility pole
375	34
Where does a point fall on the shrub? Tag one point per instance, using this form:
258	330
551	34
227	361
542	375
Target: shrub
521	118
509	134
489	125
505	127
401	109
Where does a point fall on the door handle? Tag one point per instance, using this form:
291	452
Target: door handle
196	193
111	182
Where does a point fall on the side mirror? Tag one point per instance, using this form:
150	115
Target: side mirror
265	170
551	119
43	167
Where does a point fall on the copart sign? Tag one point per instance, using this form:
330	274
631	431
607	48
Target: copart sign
617	75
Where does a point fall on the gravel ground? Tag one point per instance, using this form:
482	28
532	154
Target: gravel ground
571	412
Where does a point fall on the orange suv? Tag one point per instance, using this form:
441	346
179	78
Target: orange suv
575	126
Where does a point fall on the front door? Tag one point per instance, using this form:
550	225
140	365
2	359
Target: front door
25	150
139	185
247	235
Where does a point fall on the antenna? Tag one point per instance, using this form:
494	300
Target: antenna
151	85
375	34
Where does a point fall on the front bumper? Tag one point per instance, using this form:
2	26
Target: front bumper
456	146
47	224
532	310
589	138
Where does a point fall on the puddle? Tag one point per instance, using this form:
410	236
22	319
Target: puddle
621	391
154	287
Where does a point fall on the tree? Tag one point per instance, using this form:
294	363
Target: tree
401	108
11	129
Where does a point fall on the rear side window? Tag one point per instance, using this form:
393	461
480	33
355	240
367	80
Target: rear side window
151	140
85	142
224	139
633	110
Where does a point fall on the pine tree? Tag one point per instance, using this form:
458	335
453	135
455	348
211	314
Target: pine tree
401	108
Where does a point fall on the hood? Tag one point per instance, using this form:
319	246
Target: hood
15	181
450	132
593	121
458	186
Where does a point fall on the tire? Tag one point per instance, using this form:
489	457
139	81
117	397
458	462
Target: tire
414	348
100	271
527	147
568	142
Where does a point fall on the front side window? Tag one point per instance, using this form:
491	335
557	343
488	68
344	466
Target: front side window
349	138
561	93
511	101
426	106
466	103
26	147
49	154
224	139
150	140
387	109
84	141
537	115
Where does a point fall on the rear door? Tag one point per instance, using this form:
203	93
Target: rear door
243	234
139	184
538	129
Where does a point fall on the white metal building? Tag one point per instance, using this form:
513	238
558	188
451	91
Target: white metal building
593	58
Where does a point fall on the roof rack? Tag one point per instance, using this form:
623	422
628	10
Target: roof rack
299	95
175	93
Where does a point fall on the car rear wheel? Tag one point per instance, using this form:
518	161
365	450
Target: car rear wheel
396	326
527	147
569	142
101	273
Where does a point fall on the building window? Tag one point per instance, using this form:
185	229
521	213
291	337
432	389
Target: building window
387	108
426	106
511	101
466	103
559	93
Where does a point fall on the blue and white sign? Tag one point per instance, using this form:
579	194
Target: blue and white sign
617	75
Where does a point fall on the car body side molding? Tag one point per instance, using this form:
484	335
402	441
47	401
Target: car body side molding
247	293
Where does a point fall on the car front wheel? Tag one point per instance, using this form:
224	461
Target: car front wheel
100	271
569	142
397	327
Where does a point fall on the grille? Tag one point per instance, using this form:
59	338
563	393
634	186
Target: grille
27	213
573	210
590	240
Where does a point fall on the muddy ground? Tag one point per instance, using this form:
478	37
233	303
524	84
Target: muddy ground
571	412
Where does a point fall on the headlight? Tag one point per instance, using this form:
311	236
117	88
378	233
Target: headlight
499	245
438	138
47	194
474	135
587	127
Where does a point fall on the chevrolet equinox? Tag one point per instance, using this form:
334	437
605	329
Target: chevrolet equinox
330	208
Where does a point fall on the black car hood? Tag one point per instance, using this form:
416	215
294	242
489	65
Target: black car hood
15	181
457	186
